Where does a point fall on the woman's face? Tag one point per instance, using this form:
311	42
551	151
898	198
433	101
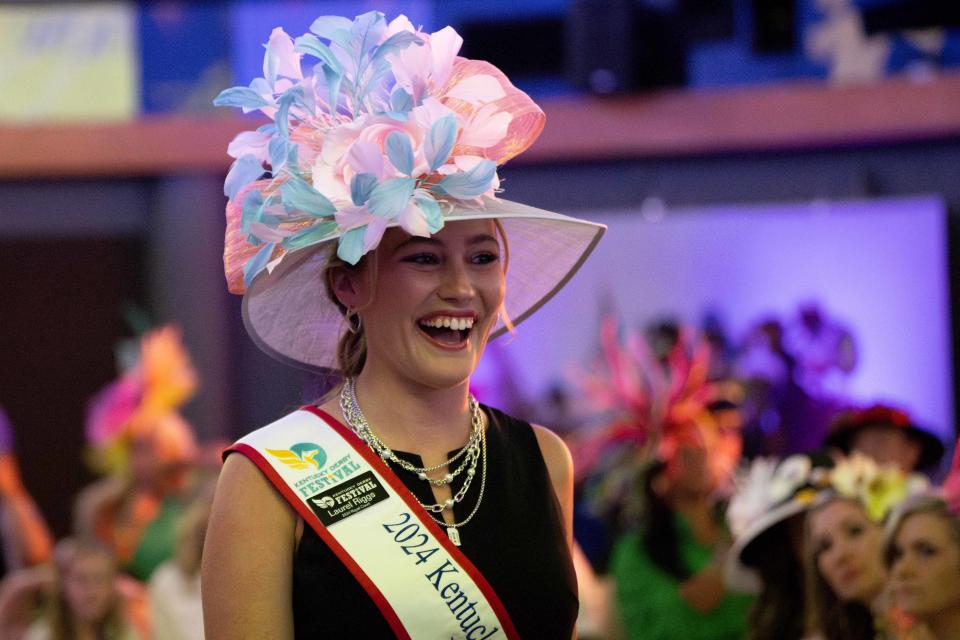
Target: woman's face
925	574
688	472
846	547
888	445
88	586
435	302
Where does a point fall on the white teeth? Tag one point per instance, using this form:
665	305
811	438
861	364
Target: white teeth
458	324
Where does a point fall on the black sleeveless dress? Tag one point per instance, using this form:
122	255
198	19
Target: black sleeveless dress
515	540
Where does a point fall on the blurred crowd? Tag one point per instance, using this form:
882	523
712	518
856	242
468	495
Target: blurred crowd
734	492
131	568
723	491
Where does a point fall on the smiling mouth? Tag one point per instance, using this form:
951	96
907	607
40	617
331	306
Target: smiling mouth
447	331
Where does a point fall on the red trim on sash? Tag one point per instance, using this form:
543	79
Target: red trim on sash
404	493
308	516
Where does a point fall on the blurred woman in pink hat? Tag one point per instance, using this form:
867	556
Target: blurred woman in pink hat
146	451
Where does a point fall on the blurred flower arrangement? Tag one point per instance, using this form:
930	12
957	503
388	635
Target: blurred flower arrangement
143	401
768	483
657	404
389	126
878	488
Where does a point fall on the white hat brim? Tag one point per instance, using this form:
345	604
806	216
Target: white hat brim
737	575
288	315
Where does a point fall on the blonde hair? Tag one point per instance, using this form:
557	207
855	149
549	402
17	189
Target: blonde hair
352	348
923	503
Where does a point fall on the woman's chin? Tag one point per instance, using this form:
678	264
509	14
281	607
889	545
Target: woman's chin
444	370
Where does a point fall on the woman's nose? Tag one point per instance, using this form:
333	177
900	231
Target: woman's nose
902	568
840	553
456	284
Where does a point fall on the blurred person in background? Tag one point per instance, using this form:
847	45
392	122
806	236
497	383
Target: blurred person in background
888	435
648	479
24	536
146	451
174	588
844	535
83	601
668	573
766	516
922	552
26	541
825	351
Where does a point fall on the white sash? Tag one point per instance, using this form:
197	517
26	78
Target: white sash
423	584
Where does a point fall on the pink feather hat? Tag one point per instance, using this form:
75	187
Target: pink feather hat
389	128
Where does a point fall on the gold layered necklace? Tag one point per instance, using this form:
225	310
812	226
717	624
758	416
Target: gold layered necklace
472	455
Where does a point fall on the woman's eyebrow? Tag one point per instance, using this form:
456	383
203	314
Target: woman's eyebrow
481	238
477	239
417	239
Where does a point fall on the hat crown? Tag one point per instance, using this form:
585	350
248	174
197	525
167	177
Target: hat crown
766	484
375	124
388	127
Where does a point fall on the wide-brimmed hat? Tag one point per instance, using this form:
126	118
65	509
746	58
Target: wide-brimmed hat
848	423
389	128
768	493
772	492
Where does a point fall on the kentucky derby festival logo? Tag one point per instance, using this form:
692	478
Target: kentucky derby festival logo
348	498
303	455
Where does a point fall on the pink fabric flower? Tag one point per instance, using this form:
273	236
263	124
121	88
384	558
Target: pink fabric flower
111	410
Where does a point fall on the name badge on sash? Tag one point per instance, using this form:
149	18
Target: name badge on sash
421	582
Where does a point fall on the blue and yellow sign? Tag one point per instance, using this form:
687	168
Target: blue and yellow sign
69	62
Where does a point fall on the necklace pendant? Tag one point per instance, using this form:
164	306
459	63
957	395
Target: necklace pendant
454	535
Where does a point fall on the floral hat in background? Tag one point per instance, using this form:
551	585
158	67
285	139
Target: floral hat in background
770	492
375	124
767	493
143	402
879	488
850	422
653	407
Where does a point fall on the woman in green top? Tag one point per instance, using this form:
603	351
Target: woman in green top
668	574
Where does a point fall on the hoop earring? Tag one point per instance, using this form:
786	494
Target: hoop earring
349	316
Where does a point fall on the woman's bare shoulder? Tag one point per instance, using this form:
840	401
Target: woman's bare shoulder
559	463
555	452
247	556
243	487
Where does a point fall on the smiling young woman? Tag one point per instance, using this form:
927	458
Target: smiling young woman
445	295
399	505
